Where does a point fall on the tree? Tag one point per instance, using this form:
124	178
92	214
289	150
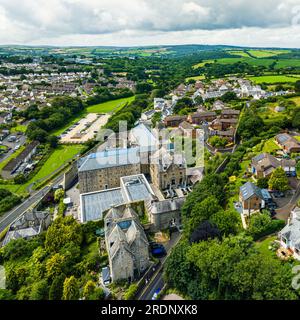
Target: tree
204	232
227	222
6	295
297	86
61	232
56	288
261	224
201	212
59	194
89	289
53	141
263	183
278	180
91	292
218	142
39	290
228	96
70	289
19	179
55	265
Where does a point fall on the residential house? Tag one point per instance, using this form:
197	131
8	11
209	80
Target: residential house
188	130
288	143
290	235
28	225
251	198
174	121
264	164
230	114
200	117
24	157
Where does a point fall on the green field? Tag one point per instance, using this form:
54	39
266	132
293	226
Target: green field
60	156
202	64
266	53
201	77
275	79
109	106
287	63
238	53
250	61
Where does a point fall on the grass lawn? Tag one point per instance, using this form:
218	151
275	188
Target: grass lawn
61	155
19	128
274	79
263	246
270	146
109	106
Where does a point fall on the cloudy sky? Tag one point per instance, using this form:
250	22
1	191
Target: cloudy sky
150	22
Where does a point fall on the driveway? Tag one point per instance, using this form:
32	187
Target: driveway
284	212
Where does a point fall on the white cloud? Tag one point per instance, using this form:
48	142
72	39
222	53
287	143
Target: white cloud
135	22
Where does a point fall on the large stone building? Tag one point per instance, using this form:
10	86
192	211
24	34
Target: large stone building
127	244
103	170
168	169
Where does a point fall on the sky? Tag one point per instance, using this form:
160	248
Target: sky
261	23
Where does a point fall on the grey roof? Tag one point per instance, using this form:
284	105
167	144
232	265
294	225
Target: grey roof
144	138
136	188
133	188
110	158
168	205
94	204
292	233
249	189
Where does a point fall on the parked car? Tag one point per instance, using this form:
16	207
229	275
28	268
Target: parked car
155	294
158	250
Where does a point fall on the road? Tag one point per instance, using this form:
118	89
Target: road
284	212
157	282
12	215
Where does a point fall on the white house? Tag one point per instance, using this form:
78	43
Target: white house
290	235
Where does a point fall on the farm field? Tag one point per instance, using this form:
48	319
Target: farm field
109	106
275	79
201	77
286	63
266	53
239	53
250	61
202	64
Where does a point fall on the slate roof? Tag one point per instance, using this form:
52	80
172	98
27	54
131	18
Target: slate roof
249	189
110	158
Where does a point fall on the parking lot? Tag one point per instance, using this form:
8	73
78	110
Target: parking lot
85	129
13	142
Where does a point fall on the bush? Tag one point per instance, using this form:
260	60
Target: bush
131	292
